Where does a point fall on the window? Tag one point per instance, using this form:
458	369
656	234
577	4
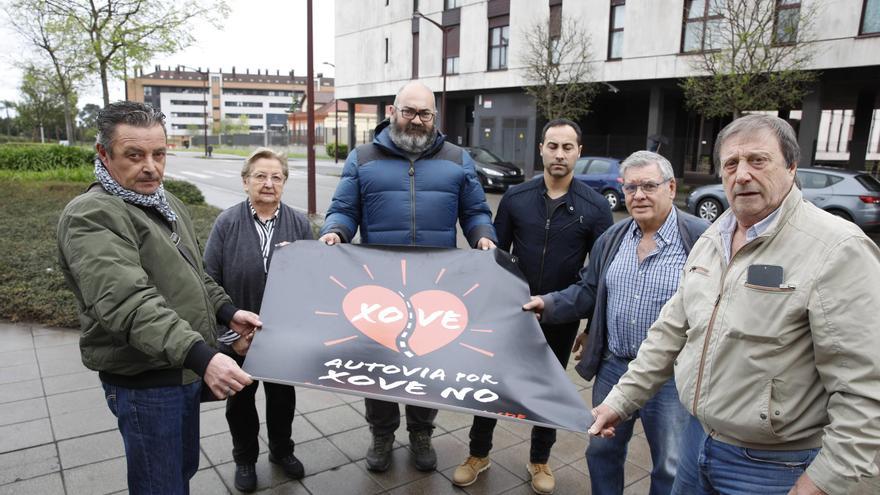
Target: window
870	17
580	166
453	34
188	114
415	55
615	32
498	41
785	29
187	102
252	104
279	105
599	167
386	50
451	4
702	25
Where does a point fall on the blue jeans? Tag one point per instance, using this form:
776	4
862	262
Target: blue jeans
663	418
160	430
711	467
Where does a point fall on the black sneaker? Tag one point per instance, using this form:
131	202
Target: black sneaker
245	478
290	465
379	453
423	454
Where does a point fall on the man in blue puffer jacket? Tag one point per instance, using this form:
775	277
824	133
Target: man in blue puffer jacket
408	187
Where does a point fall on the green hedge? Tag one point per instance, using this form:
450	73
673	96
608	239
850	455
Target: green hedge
44	157
185	191
342	152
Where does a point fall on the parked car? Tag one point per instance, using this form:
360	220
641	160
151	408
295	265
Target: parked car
854	196
495	173
603	175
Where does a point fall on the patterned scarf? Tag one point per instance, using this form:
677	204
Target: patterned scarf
156	200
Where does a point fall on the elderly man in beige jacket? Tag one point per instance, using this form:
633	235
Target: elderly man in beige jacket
772	336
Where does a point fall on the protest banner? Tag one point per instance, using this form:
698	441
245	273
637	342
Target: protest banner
439	328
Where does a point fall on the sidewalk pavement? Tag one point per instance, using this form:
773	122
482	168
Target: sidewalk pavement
58	437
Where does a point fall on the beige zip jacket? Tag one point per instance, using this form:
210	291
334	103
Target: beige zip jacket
789	367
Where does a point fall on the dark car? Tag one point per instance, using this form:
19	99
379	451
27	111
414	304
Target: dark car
854	196
494	173
603	175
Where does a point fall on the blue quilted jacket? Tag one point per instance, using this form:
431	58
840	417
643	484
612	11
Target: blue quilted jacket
395	201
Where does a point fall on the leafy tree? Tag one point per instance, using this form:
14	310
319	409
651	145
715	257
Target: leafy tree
754	58
558	67
58	42
124	32
88	116
41	106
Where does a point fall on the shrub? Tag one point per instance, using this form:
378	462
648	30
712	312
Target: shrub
185	191
341	152
44	157
32	287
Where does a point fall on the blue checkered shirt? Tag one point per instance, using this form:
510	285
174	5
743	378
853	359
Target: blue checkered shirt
637	291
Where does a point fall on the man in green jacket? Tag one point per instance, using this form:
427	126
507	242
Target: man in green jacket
771	336
147	309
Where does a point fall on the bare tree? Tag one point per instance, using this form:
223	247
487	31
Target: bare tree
558	66
123	32
753	55
57	41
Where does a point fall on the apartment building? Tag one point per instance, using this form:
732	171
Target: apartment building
641	52
223	103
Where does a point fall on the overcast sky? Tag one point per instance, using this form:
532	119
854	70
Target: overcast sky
258	34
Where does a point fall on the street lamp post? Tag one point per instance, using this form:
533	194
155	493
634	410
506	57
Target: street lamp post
418	14
336	114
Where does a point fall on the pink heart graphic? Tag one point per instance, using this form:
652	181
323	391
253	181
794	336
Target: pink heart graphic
430	320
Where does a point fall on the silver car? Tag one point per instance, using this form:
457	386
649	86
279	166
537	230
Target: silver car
854	196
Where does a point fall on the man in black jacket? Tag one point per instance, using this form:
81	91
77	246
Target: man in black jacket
549	224
634	269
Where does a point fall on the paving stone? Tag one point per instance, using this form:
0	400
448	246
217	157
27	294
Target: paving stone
513	459
353	443
347	479
60	360
90	448
16	336
23	410
19	373
72	382
319	455
218	448
289	488
17	358
451	421
102	477
212	422
450	450
28	463
81	400
40	329
335	419
22	435
435	484
517	428
85	422
44	485
16	391
570	480
569	446
56	337
638	488
401	471
633	474
302	431
494	480
639	453
207	482
310	400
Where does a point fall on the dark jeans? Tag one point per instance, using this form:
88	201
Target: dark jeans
384	417
160	430
664	420
560	338
710	467
244	423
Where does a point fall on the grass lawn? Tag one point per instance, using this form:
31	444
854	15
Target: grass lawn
32	287
247	151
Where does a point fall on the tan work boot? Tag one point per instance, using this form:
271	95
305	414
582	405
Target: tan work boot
542	478
466	474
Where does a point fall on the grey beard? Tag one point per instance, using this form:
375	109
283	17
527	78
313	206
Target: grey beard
411	143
